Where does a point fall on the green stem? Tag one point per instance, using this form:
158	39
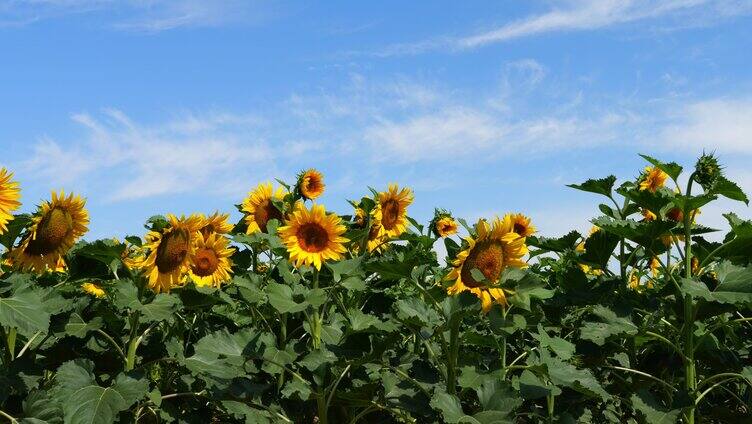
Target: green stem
8	417
282	341
690	378
11	339
550	407
504	349
454	347
130	358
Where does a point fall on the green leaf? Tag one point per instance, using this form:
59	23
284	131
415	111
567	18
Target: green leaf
281	298
533	387
672	169
162	308
249	415
107	252
645	233
644	402
564	374
360	321
221	354
24	311
600	186
525	286
15	227
345	267
296	387
83	401
449	406
39	408
734	285
417	312
560	244
77	327
562	348
729	189
611	325
598	248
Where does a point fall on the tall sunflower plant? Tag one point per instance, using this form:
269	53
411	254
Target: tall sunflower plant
290	312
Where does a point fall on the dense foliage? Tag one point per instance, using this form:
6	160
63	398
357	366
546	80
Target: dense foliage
298	315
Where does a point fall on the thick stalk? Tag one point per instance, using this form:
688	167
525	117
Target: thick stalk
130	358
550	407
282	341
690	377
454	348
504	349
12	333
316	340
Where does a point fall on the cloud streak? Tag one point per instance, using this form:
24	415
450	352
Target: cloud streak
580	15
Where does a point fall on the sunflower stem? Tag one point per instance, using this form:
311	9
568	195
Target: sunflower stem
11	339
454	347
504	348
282	341
690	379
130	358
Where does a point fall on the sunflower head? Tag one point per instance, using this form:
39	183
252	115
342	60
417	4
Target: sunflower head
56	226
648	215
210	263
312	236
707	171
652	179
521	224
443	224
93	289
494	248
391	210
310	184
9	195
259	207
655	266
216	223
169	252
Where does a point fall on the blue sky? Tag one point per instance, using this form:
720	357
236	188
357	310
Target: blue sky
150	106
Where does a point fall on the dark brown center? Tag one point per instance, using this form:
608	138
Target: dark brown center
488	258
265	212
51	232
312	237
205	262
390	212
172	251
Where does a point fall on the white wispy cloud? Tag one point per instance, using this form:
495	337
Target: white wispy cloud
582	15
722	124
139	15
191	154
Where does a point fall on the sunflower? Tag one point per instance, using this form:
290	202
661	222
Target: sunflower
311	184
259	208
655	266
9	195
521	224
445	226
359	217
56	226
170	252
216	223
495	248
391	210
93	290
210	262
652	179
313	236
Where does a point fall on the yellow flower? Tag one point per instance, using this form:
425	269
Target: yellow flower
649	216
495	248
652	179
391	210
311	184
210	262
170	252
259	208
313	236
9	195
655	266
61	266
634	282
521	224
93	290
446	226
216	223
56	226
695	265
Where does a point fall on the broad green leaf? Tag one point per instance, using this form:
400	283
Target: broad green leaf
162	308
562	348
84	401
297	388
23	310
644	402
600	186
598	248
611	325
449	406
729	189
39	408
77	327
564	374
533	387
672	169
247	414
524	286
345	267
734	285
560	244
15	227
221	354
281	298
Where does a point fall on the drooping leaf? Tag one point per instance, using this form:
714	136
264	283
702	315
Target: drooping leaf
644	402
23	310
599	186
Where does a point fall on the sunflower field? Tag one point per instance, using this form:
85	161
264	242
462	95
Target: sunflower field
297	314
